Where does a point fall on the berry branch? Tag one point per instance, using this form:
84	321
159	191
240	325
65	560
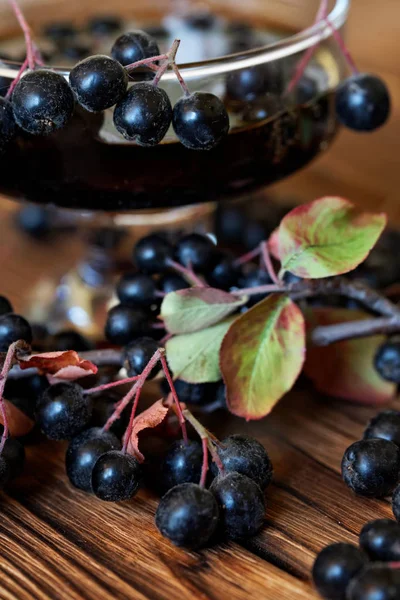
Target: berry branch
204	434
329	334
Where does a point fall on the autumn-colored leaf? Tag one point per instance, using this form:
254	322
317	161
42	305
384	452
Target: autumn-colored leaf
197	308
262	355
346	369
18	422
329	236
150	418
194	357
66	365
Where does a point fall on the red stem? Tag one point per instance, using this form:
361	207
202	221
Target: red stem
261	289
128	431
3	378
179	77
146	61
247	257
204	468
175	397
30	53
268	263
18	77
341	43
107	386
170	59
188	273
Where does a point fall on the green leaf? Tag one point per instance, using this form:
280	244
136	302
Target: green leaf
329	236
262	355
194	357
196	308
346	369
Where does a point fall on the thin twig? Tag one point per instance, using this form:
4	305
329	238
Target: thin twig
30	54
324	335
268	263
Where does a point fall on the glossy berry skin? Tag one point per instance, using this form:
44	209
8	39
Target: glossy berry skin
5	306
42	102
182	464
83	452
371	467
8	128
144	114
133	46
386	426
12	461
200	121
116	476
225	273
151	254
362	102
387	361
196	251
124	324
187	515
63	411
380	539
98	82
138	353
104	25
71	340
334	568
172	282
13	328
244	454
136	290
376	582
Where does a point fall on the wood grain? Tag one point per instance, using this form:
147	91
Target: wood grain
58	543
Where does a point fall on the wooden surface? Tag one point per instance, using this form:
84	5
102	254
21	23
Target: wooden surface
58	543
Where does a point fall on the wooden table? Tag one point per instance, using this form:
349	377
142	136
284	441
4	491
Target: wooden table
58	543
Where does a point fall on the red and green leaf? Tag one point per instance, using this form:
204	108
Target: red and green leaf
66	365
346	369
262	355
150	418
329	236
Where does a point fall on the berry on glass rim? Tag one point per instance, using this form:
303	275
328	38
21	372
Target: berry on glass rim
8	127
362	102
13	328
137	355
387	361
378	581
380	539
133	46
386	426
63	411
116	476
182	464
196	251
124	324
98	82
152	253
334	568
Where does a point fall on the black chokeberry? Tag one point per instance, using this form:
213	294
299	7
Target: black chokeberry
13	328
200	121
362	102
255	278
187	515
12	461
116	476
241	504
136	290
63	411
151	254
196	251
380	539
83	452
24	393
193	393
104	25
386	426
229	225
387	361
124	324
138	353
34	220
225	273
334	568
42	102
182	464
133	46
244	454
249	84
371	467
98	82
376	582
172	282
5	306
8	128
71	340
144	114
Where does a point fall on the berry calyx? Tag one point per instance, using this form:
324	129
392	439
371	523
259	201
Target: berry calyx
116	476
362	102
133	46
137	355
98	82
182	464
8	127
334	568
124	324
380	539
375	582
152	253
187	515
13	328
63	411
42	102
136	290
386	426
200	121
196	251
387	361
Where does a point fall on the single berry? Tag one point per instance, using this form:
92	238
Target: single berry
387	361
133	46
83	452
193	393
12	461
196	251
386	426
396	503
24	393
60	31
172	282
116	476
244	454
71	340
182	464
8	128
124	324
136	290
137	355
255	278
371	467
334	568
63	411
98	82
225	273
380	539
375	582
151	254
241	504
187	515
42	102
104	25
13	328
5	306
34	220
144	114
248	84
362	102
200	121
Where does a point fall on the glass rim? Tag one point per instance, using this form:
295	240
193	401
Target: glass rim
293	44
